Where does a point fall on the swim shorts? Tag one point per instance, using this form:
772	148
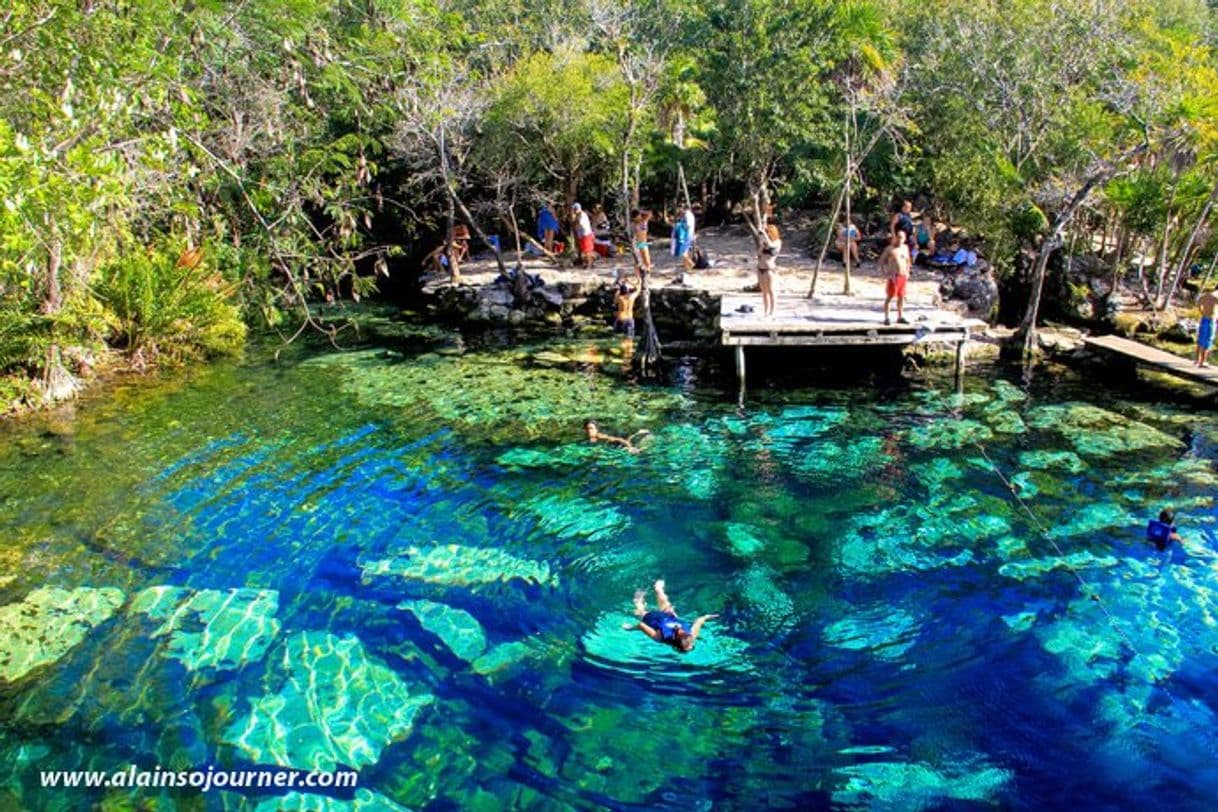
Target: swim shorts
1205	333
587	244
896	286
624	326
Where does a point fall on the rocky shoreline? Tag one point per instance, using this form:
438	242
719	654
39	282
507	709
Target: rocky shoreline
681	313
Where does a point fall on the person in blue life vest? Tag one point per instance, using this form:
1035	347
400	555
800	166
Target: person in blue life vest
1161	532
662	625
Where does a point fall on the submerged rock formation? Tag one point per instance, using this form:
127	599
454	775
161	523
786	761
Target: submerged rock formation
48	624
327	703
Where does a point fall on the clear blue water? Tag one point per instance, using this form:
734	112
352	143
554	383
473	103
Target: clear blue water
413	566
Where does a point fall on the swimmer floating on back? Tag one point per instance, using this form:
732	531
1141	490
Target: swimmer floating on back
594	435
662	625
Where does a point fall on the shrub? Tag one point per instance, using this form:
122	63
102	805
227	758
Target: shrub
163	307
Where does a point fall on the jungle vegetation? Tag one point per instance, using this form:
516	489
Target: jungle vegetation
173	171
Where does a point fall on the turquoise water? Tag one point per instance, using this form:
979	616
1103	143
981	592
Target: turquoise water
411	566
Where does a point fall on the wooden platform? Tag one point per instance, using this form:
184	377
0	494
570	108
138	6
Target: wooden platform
835	321
1160	360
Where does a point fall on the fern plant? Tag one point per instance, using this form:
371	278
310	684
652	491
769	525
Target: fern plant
163	309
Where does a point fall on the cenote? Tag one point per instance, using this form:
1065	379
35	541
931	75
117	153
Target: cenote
408	563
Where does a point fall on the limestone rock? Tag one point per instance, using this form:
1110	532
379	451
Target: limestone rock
496	296
327	703
48	624
456	628
212	628
456	565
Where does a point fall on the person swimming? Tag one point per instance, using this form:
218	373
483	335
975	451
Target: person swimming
662	625
1162	532
594	435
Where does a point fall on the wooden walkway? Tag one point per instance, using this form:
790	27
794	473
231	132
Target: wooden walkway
835	321
1139	354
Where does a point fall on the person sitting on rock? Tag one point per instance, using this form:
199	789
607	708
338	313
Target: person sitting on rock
601	226
662	625
925	235
848	242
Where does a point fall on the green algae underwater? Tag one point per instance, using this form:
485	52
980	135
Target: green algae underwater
411	566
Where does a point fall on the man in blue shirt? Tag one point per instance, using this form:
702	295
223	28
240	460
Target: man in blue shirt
1162	532
547	227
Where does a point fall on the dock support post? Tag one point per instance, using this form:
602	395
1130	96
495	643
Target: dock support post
960	346
740	368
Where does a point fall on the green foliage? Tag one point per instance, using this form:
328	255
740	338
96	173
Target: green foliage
296	138
560	112
169	309
1029	222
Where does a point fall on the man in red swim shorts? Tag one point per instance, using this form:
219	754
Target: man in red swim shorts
585	239
895	260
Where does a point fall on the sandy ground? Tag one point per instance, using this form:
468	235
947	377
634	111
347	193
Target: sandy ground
732	251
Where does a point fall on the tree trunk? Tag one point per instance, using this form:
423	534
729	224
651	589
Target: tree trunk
450	220
52	300
824	249
1054	241
1188	246
625	181
1116	263
454	200
520	283
465	213
846	187
572	189
1163	247
681	180
1205	281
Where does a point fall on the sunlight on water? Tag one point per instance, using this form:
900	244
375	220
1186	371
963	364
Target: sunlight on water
416	568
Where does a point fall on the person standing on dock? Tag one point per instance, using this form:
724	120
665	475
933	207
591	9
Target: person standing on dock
896	261
769	244
1205	330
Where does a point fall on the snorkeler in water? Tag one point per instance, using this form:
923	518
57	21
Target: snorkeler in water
662	625
593	432
1162	532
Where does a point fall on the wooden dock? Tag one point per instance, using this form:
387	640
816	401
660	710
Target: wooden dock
1137	354
836	321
